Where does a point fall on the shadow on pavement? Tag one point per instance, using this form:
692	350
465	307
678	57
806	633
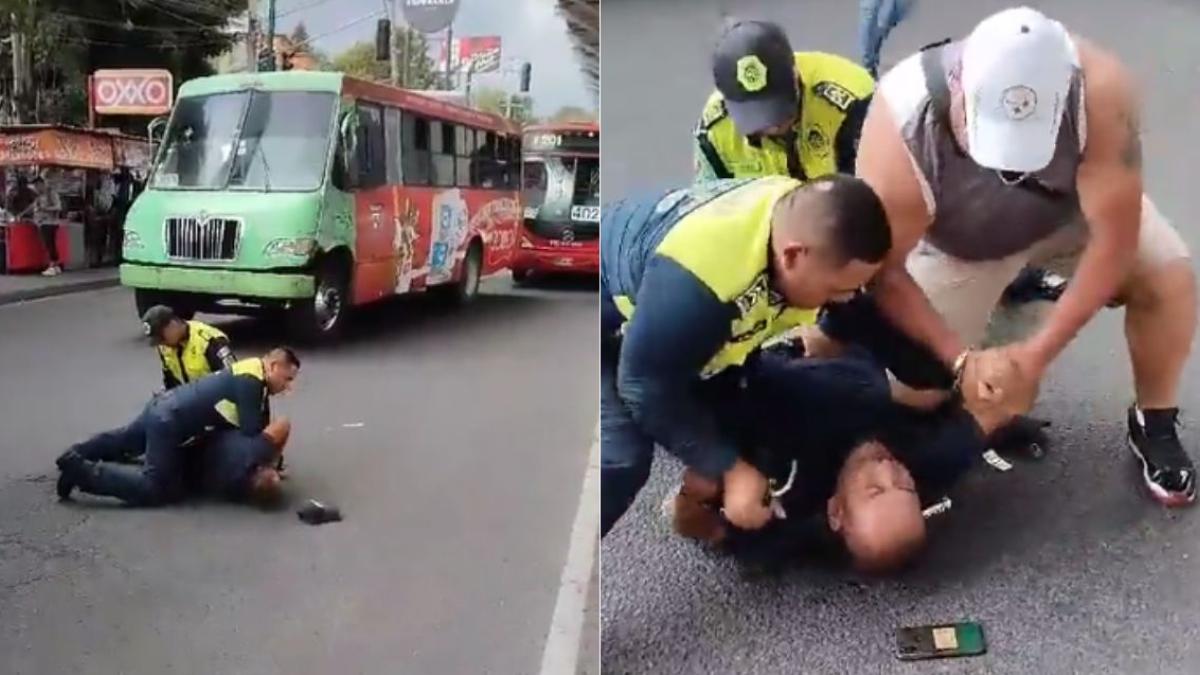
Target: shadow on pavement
392	322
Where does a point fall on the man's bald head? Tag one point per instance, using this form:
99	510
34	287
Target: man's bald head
828	238
876	510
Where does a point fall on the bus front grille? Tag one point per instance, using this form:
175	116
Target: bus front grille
202	238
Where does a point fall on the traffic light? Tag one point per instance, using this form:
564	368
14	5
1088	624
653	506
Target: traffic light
526	71
383	40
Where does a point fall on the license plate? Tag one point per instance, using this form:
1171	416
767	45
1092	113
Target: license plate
585	214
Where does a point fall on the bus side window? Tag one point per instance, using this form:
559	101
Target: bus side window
487	162
514	163
443	154
415	152
372	170
392	139
465	143
502	152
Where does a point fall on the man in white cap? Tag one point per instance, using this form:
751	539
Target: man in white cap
991	154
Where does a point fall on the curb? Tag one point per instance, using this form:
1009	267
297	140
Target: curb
14	297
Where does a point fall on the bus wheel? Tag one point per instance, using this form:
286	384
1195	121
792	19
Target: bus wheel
320	318
467	287
144	299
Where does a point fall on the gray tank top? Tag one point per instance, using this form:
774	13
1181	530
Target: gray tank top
977	215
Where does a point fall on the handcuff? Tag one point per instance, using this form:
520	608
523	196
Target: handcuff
771	499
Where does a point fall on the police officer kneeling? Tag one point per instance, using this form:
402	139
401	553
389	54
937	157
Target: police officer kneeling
169	421
188	350
693	283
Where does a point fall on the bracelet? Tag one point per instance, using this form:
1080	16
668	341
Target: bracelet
960	366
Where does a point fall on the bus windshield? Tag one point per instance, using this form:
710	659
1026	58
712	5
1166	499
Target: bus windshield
247	140
553	184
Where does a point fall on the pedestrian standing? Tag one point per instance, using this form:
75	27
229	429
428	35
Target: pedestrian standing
876	19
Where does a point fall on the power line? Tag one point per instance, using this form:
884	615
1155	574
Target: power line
351	24
318	3
132	27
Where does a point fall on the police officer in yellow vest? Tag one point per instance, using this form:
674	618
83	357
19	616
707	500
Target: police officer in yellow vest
188	350
693	282
779	112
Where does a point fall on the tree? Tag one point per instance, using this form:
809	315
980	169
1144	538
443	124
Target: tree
68	39
571	113
359	60
300	38
490	99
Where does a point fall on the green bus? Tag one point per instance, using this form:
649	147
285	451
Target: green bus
305	194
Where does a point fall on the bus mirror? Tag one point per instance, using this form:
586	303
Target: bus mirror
154	134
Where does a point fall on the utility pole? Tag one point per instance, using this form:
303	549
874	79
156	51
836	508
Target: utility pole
449	53
252	36
394	43
406	57
271	31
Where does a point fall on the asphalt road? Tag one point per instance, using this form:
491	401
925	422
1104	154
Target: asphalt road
454	441
1067	565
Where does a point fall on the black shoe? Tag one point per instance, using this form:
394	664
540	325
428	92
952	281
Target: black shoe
69	465
1023	436
1166	468
1034	284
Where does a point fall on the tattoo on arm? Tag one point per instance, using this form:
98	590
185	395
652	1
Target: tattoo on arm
1131	154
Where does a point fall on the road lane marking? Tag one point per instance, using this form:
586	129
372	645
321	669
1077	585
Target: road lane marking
561	653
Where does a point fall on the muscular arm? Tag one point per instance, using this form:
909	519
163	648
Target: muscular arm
884	163
1110	193
678	325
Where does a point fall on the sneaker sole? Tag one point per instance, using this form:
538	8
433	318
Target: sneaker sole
1158	492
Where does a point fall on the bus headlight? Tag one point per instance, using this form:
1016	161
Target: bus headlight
293	247
132	241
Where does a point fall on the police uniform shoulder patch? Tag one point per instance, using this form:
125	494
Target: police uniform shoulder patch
713	112
837	95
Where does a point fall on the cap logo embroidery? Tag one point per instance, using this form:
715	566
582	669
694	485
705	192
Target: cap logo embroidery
146	328
1019	102
751	73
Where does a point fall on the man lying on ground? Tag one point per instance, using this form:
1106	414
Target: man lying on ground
236	397
870	467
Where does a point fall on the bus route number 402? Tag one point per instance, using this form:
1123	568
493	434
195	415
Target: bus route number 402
585	214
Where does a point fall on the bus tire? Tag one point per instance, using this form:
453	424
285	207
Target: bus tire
321	317
464	291
145	298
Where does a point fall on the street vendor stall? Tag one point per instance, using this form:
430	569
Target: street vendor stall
66	193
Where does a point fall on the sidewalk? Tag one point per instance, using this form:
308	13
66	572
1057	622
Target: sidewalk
22	287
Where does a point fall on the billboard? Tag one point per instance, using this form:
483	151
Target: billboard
132	92
429	16
484	51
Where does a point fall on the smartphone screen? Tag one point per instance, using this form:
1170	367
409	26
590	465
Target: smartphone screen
940	641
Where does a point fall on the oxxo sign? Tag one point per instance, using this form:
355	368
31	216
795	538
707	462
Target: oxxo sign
132	92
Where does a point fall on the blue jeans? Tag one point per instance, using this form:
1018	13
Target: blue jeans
877	18
157	481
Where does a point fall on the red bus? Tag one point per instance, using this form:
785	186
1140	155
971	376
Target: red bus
560	189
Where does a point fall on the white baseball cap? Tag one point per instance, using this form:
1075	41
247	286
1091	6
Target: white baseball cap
1017	67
